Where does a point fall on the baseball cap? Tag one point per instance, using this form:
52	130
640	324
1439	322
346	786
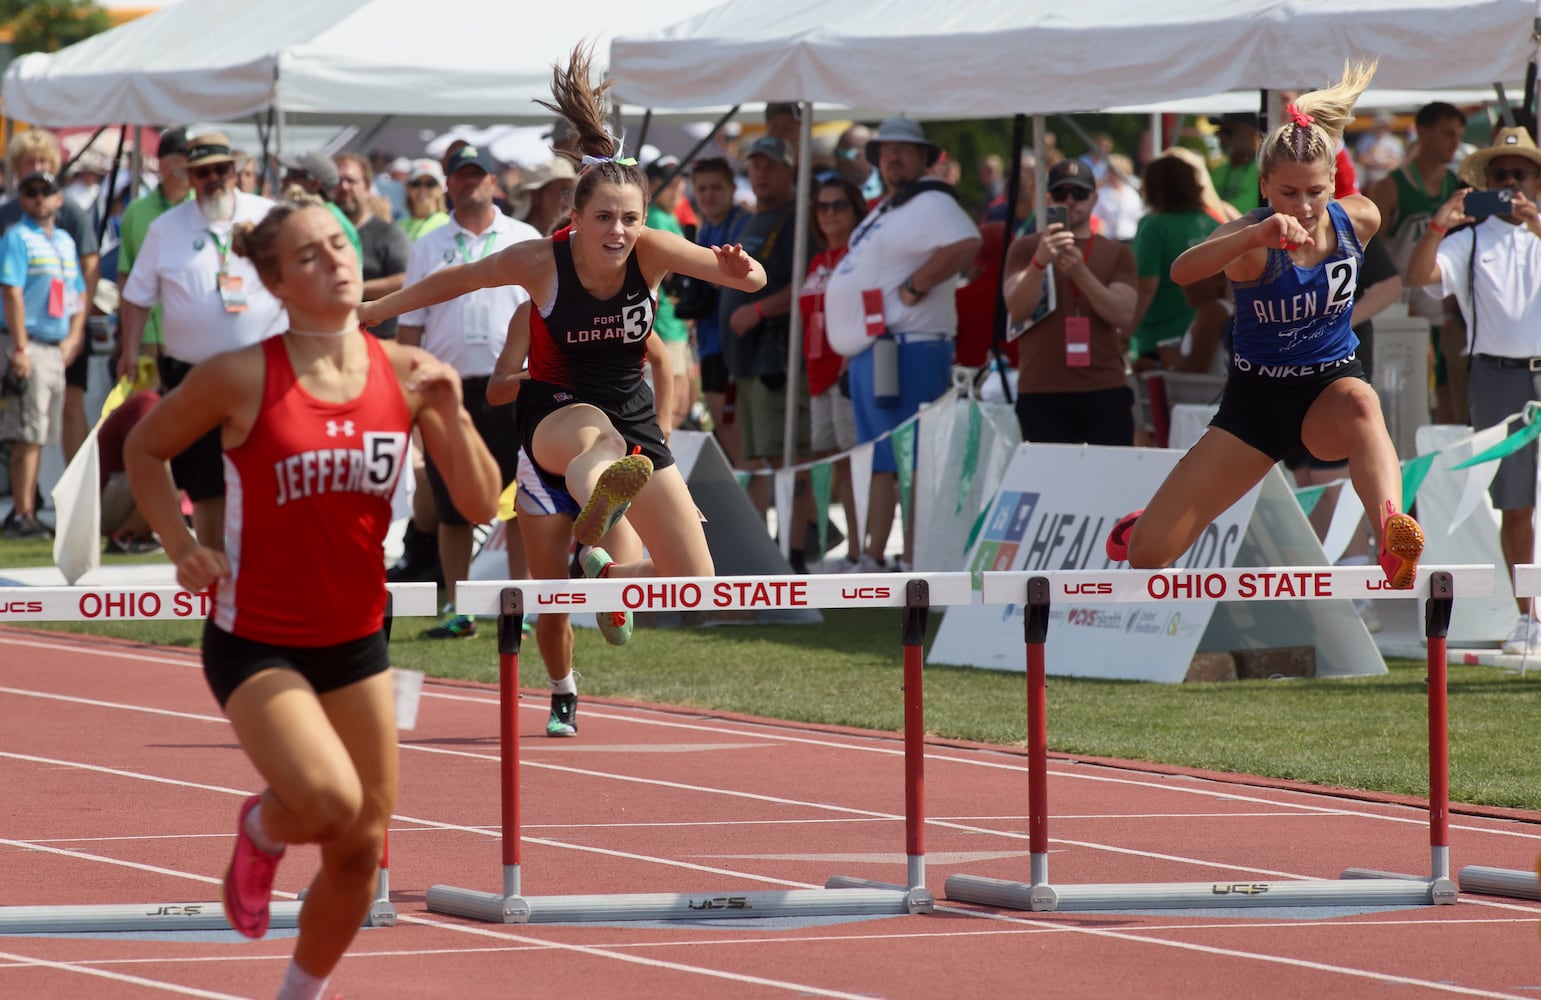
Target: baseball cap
173	143
661	167
40	175
1073	173
426	168
1237	118
467	156
772	147
314	164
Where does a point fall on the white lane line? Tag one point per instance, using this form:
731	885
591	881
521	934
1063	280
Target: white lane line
22	961
1069	770
600	952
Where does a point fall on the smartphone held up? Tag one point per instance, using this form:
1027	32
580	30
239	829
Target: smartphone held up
1481	204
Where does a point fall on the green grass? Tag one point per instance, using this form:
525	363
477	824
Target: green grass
1368	733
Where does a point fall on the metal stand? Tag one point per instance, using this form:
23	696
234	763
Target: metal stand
93	918
1358	888
861	898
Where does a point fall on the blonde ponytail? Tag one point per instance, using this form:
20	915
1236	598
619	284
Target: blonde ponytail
1315	123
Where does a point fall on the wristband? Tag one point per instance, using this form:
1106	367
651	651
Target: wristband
1441	230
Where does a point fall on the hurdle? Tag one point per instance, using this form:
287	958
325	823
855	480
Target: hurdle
1355	887
841	896
31	605
1508	882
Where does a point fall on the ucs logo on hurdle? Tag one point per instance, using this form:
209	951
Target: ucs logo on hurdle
720	903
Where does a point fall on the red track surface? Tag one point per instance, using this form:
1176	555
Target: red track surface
121	783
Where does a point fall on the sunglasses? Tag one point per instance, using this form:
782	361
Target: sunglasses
832	206
35	191
1068	193
1503	175
210	170
423	182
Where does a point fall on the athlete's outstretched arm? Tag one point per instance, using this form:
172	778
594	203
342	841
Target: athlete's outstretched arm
508	372
728	266
433	394
520	264
663	382
213	393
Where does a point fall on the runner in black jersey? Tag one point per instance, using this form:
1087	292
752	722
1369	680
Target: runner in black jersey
590	422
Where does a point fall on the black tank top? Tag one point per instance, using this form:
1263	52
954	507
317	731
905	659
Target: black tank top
594	347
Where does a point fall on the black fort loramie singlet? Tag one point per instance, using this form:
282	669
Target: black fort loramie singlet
594	347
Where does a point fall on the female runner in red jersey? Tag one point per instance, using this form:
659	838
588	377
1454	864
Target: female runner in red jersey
315	424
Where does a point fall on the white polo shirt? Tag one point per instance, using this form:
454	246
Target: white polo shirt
468	332
1507	286
178	266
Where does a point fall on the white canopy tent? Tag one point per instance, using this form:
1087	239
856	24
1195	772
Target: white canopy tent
990	58
321	61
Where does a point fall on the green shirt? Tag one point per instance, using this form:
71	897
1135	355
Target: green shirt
1238	185
352	232
671	329
131	232
1161	239
416	228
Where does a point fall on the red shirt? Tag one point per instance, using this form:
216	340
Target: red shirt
307	505
114	431
819	359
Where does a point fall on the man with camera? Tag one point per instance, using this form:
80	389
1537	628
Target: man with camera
1483	246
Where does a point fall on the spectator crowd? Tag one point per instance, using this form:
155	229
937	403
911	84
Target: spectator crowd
900	289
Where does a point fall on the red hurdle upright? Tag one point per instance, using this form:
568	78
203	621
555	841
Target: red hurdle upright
841	896
1356	887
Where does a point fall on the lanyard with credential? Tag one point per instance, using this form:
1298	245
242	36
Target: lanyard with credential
231	293
465	251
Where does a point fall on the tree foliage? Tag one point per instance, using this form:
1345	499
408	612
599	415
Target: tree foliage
50	25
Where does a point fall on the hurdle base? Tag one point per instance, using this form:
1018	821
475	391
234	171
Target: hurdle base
1442	891
498	909
1507	882
919	898
130	917
1188	895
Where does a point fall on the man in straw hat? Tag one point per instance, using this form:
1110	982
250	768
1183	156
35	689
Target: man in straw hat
1492	265
212	301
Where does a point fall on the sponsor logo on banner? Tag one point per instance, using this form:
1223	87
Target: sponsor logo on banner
147	604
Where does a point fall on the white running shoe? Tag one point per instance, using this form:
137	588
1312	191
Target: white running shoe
1524	638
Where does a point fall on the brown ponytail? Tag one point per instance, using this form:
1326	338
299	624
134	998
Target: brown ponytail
582	104
258	242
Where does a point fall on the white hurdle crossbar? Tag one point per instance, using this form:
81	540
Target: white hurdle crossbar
915	594
1509	882
1035	592
28	605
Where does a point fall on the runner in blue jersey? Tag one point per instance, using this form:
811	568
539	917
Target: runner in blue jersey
1294	381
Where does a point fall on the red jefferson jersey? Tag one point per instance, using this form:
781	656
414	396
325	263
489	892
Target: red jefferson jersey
307	505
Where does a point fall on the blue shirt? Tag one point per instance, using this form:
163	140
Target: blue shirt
1294	315
32	260
709	234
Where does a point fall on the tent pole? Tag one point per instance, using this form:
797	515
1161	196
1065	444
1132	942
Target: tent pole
795	317
695	150
1001	320
1040	171
104	199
